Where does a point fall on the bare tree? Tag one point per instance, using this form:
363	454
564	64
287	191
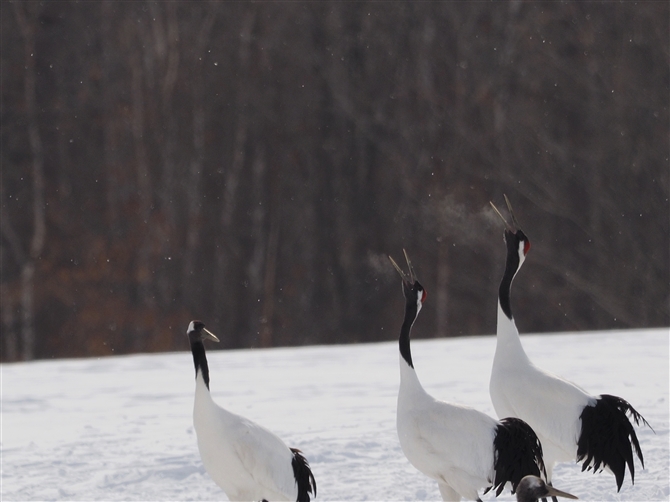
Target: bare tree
26	16
193	190
144	266
252	164
228	251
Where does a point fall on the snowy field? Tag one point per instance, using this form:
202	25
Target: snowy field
120	428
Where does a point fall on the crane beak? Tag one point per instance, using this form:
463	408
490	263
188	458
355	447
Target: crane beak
209	335
553	492
412	275
409	279
515	224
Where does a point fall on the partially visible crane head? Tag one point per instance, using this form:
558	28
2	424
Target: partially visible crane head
197	331
411	288
531	488
514	236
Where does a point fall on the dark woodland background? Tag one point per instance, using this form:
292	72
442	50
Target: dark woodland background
252	164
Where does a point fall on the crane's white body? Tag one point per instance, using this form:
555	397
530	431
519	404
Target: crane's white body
570	424
461	448
246	460
550	404
449	443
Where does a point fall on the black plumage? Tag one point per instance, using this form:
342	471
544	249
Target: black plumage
608	438
303	476
518	452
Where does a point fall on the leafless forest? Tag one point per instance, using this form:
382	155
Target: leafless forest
252	165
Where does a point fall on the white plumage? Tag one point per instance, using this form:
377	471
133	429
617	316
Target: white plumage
463	449
246	460
571	424
451	444
550	404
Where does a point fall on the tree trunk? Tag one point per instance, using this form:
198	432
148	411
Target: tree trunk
196	167
10	346
267	315
110	139
225	247
27	27
144	193
442	297
166	50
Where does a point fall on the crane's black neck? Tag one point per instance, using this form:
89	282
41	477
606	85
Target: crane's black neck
511	268
200	360
410	317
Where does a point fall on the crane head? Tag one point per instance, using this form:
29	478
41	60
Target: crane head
197	331
411	288
533	488
514	237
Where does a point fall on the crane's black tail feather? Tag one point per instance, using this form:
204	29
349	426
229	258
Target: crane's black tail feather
517	453
607	435
303	476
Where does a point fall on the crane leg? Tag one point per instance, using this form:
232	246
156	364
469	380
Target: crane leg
448	493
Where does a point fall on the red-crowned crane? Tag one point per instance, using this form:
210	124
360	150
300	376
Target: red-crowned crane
461	448
246	460
531	489
571	424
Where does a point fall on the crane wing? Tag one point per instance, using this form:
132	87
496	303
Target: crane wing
458	444
550	404
266	458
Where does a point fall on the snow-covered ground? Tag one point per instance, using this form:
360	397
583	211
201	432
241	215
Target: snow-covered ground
120	428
